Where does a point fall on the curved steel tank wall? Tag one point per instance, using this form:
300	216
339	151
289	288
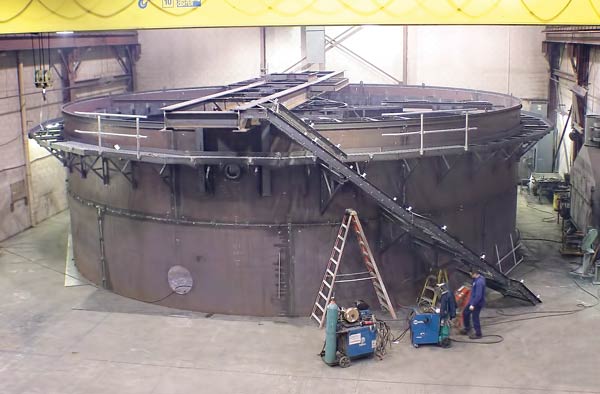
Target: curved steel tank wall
265	256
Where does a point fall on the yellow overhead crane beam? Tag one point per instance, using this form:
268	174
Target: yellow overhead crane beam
27	16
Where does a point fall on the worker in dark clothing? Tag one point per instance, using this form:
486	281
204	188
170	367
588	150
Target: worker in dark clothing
447	313
476	303
447	302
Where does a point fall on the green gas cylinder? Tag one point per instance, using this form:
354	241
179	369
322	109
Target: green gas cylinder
331	319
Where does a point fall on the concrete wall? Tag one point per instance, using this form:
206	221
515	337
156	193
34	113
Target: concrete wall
197	57
46	197
506	59
48	176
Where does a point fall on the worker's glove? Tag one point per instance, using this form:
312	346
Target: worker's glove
471	308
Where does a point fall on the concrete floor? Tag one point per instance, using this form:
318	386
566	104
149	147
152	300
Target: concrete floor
56	339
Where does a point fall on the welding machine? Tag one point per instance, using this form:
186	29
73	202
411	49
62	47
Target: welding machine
353	334
424	328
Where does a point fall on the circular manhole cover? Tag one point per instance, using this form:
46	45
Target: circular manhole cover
180	279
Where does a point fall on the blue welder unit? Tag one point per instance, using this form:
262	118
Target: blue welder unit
425	328
357	341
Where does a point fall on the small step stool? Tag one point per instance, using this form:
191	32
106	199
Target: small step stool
429	294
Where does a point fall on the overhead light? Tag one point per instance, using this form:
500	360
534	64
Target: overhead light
64	33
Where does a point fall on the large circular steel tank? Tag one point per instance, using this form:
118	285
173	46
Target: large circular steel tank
225	232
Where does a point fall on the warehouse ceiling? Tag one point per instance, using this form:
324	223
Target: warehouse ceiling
24	16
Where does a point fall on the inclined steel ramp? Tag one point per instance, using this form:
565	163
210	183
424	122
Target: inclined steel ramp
420	228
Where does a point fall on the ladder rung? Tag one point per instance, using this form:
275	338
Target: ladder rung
327	284
322	295
330	272
316	318
320	307
339	250
429	288
427	299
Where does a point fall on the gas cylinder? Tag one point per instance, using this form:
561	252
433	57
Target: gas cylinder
331	319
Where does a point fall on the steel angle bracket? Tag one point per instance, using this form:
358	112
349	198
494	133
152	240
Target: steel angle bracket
330	184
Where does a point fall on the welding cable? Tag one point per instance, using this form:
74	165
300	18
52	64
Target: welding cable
499	338
581	306
542	211
542	314
401	336
384	338
545	314
160	299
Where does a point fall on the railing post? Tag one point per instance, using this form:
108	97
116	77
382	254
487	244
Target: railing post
422	133
498	257
467	130
514	249
137	137
99	133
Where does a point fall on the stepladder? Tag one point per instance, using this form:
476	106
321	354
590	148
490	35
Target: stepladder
429	295
332	276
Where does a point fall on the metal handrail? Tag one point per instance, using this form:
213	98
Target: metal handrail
100	115
422	131
511	252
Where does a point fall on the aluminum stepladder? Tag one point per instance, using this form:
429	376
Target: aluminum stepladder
349	222
429	294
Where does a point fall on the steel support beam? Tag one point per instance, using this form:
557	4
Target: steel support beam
22	42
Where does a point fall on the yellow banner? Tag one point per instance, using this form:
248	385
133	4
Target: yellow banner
25	16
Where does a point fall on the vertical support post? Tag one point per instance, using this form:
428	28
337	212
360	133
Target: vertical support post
422	134
265	172
105	171
279	274
466	131
100	213
137	137
23	113
263	51
201	168
66	56
131	54
99	134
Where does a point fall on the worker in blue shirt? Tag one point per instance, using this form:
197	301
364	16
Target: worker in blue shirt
476	303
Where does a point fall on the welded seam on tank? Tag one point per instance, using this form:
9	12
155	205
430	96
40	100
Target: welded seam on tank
108	210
